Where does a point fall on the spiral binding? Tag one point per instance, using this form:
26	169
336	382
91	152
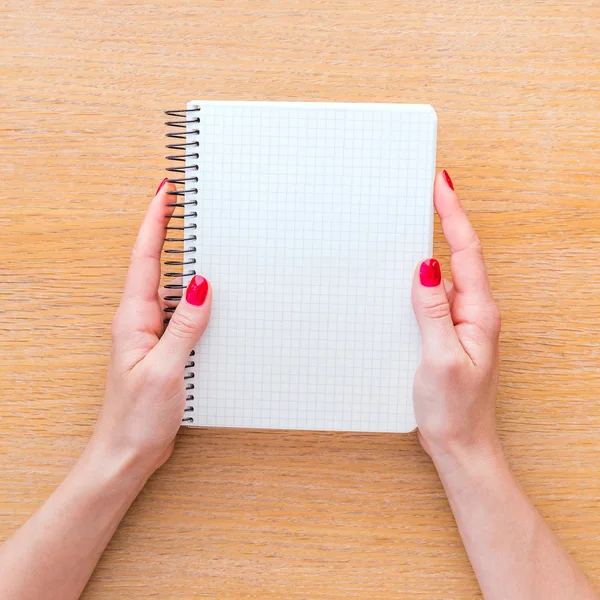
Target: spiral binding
185	122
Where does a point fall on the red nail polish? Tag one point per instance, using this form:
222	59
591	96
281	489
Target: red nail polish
197	291
430	273
447	179
161	184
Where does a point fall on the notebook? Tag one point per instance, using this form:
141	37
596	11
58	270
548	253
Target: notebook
308	219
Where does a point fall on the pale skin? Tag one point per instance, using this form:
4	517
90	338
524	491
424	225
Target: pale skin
514	553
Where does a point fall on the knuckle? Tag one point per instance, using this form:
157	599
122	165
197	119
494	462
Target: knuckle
154	378
450	363
471	244
139	253
182	326
173	380
164	378
122	321
436	307
444	364
135	253
475	243
489	319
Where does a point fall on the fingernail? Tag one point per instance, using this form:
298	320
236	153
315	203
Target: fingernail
447	179
197	291
430	273
161	184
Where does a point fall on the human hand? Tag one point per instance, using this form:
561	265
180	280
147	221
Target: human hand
145	391
456	383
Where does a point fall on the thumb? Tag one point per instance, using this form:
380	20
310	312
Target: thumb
186	326
432	308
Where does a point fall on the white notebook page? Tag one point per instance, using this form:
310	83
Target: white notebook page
311	220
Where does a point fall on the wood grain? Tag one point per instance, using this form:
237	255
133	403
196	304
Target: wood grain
246	514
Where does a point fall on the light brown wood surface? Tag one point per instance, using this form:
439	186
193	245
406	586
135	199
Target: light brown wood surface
246	514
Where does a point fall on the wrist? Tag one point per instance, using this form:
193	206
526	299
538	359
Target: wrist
115	467
484	455
133	450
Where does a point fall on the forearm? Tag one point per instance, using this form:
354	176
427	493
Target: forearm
55	552
513	551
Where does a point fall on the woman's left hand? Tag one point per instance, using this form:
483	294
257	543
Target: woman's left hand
145	392
54	553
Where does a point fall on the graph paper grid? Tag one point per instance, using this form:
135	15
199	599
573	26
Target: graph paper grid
311	218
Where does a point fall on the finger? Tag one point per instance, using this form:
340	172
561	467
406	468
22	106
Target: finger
432	309
143	277
450	292
186	326
468	267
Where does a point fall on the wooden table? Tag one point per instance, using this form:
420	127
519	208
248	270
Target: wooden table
246	514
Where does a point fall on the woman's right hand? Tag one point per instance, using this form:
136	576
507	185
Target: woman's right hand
513	551
456	383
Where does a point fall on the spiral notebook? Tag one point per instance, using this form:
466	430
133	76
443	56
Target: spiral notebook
308	219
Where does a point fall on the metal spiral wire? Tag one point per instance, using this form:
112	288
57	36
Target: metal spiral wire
184	123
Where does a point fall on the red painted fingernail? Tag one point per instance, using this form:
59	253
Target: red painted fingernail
430	273
197	291
447	179
161	184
